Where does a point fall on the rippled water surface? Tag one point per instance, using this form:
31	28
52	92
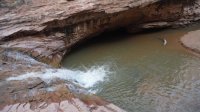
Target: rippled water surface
144	75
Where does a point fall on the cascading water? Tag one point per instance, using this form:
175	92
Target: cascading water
137	73
85	78
148	76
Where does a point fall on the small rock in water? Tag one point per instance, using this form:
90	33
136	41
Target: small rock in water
164	42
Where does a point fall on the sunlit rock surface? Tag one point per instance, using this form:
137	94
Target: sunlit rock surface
74	105
192	41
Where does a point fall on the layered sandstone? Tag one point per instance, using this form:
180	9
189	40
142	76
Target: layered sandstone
46	30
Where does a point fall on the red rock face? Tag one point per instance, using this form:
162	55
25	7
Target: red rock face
55	26
75	105
46	30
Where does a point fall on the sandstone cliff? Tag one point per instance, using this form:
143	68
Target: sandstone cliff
47	29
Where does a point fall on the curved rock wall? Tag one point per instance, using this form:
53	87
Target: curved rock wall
51	28
46	30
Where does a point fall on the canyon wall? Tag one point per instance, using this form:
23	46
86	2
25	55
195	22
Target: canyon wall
46	30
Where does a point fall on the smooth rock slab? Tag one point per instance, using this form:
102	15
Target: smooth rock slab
75	105
192	41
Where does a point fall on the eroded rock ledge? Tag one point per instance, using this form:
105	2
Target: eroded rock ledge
46	30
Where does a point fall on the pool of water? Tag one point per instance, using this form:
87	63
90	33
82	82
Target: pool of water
143	74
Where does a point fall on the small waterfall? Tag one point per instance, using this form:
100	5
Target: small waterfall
86	78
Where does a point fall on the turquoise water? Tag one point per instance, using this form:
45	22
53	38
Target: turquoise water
143	74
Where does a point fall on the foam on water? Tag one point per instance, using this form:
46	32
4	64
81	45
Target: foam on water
86	78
